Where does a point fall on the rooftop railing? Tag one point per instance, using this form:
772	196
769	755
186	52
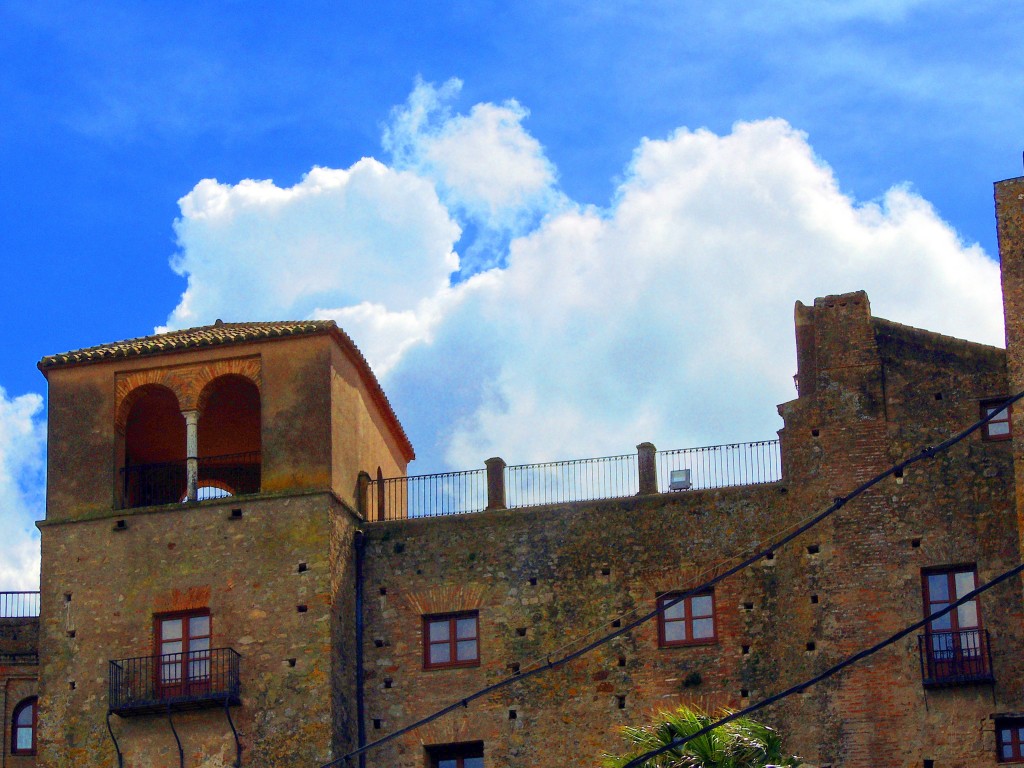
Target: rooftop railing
19	605
554	482
723	466
526	485
447	493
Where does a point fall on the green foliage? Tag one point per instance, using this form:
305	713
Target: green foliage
742	743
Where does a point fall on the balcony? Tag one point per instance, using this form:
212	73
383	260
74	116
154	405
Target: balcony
145	485
175	682
958	657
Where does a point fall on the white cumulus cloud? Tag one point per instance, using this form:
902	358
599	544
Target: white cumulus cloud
669	316
22	439
581	331
487	168
369	246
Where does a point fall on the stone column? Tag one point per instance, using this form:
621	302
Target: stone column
647	467
191	454
496	483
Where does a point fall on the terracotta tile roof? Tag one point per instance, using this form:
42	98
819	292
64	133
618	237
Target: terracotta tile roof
223	334
203	336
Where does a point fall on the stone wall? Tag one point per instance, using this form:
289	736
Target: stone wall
264	573
19	675
545	580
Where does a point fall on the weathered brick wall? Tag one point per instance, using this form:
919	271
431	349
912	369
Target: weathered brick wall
1009	201
19	635
101	587
17	683
19	675
955	509
545	579
843	586
343	633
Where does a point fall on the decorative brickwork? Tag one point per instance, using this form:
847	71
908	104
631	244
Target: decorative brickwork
189	383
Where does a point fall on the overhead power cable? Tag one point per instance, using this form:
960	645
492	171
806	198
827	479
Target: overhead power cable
550	664
800	687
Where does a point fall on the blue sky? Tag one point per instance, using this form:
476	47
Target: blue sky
557	229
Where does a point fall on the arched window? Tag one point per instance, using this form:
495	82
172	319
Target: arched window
23	728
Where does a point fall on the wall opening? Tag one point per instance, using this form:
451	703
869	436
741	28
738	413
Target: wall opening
230	441
153	471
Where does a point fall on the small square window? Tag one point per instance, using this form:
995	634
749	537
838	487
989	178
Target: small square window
686	621
1010	739
451	640
999	427
467	755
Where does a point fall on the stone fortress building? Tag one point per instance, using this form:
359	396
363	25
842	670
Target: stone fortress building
237	571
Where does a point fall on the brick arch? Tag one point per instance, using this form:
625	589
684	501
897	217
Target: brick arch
456	728
447	599
189	599
686	577
205	375
188	383
132	388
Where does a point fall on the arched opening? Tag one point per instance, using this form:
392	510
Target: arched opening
23	728
154	449
229	437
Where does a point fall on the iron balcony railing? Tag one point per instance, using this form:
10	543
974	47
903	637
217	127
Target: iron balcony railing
175	681
231	475
447	493
146	485
955	657
556	482
19	605
722	466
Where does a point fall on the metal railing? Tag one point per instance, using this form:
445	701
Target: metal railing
175	681
447	493
146	485
555	482
13	659
19	605
955	657
234	474
722	466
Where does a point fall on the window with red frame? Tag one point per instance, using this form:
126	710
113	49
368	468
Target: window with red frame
466	755
451	640
999	427
23	728
956	643
183	645
1010	739
686	621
